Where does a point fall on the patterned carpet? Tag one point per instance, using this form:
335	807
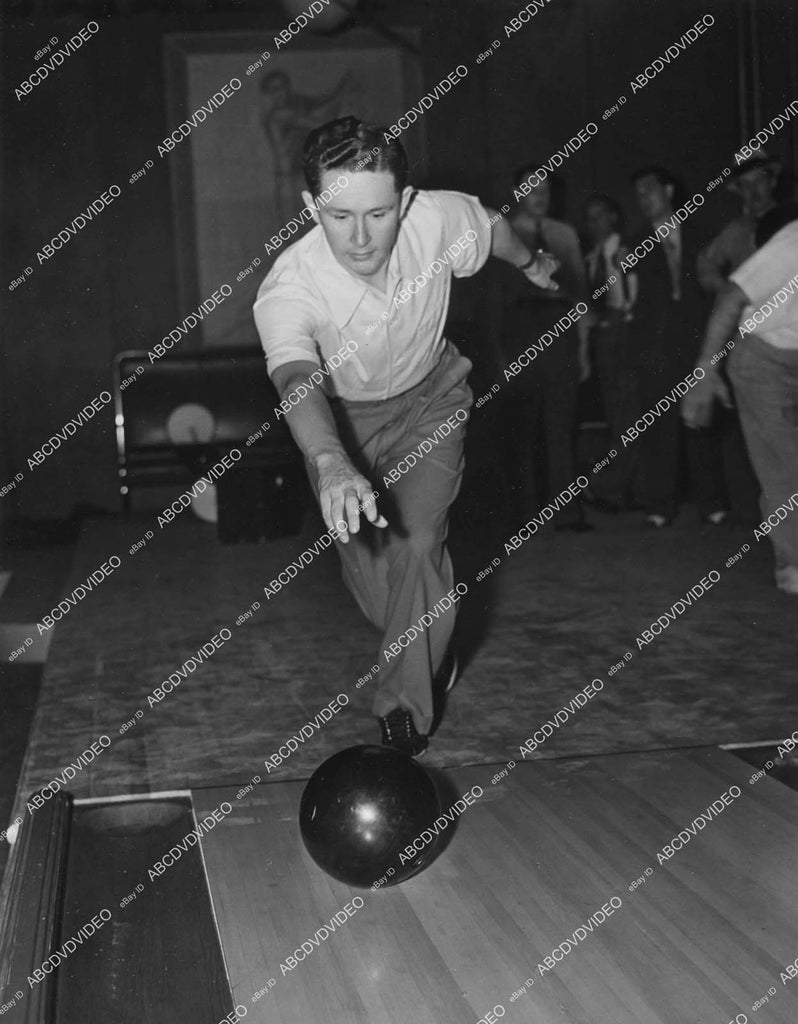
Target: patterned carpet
556	614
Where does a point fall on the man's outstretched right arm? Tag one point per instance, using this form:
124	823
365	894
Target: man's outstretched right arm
341	488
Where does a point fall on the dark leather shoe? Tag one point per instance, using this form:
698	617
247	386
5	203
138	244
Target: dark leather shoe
399	731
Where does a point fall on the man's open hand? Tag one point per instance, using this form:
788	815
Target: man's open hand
540	271
698	405
343	495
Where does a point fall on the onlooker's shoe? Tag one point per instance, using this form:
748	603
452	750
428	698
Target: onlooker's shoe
604	505
657	521
399	732
446	676
607	508
575	526
787	580
717	518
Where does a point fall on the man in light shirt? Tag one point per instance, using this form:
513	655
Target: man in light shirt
372	280
755	324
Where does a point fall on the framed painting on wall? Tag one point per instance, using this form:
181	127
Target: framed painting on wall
236	175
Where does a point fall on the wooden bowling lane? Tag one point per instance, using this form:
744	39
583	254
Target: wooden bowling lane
701	939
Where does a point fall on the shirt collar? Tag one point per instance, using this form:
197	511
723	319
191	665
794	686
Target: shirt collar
611	244
343	292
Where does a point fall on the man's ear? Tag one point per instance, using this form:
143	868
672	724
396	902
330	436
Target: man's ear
669	190
310	203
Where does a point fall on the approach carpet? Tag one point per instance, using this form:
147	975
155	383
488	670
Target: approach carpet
554	615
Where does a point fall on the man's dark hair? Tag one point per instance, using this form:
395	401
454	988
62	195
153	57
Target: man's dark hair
609	204
664	177
349	144
662	174
773	221
527	170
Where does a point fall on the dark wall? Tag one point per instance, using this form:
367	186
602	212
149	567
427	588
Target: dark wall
98	117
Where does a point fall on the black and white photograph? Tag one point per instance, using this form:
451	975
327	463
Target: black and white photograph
399	512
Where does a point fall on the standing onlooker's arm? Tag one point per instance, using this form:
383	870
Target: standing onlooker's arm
698	403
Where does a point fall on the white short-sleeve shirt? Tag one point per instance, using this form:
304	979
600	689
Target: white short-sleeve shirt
770	280
309	306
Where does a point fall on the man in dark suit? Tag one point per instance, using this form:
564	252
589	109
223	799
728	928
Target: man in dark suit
666	332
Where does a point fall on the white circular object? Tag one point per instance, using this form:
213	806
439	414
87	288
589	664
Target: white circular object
190	424
204	505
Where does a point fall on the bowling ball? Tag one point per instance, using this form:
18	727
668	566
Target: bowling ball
361	808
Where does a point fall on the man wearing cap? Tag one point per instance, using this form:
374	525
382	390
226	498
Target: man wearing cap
372	278
758	310
754	180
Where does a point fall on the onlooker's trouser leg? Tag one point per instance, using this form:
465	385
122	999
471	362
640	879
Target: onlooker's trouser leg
765	381
617	375
705	462
558	367
660	437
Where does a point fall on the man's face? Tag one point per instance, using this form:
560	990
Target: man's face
654	198
361	223
536	204
756	189
600	222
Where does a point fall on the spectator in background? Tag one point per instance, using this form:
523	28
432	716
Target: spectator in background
666	330
754	180
542	397
612	296
763	367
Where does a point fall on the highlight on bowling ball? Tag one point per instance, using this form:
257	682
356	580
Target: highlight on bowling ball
361	808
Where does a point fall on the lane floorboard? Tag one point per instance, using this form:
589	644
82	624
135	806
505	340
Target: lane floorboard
702	939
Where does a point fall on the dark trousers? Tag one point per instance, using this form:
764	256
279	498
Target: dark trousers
765	383
542	400
616	370
661	366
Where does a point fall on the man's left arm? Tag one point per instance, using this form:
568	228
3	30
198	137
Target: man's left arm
698	403
506	245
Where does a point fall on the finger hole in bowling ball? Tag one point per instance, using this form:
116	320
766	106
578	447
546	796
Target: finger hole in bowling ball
363	807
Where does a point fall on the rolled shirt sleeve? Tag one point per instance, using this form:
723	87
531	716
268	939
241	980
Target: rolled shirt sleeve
769	280
465	224
287	323
771	267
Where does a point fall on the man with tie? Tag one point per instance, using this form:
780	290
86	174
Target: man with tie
669	315
612	297
543	397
